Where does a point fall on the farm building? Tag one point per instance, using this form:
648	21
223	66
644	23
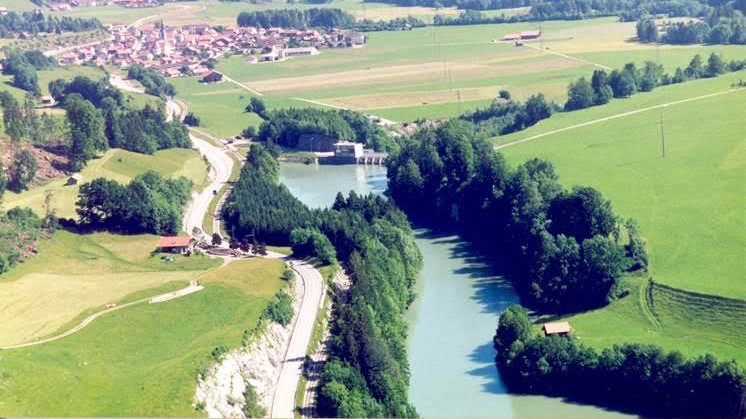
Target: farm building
295	52
557	329
511	37
212	77
530	34
47	100
175	244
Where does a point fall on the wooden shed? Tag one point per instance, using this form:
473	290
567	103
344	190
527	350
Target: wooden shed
557	329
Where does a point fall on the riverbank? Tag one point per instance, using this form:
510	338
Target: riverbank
459	300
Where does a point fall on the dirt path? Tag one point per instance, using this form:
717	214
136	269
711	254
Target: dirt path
192	288
243	86
569	57
620	115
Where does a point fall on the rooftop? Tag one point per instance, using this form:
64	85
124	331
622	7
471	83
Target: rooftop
557	328
175	241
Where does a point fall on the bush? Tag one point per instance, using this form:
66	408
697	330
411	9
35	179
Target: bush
280	310
192	120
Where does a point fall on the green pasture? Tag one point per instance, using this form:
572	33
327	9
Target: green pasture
405	75
142	360
689	204
115	164
74	275
686	323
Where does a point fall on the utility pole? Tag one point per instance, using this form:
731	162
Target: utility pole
663	138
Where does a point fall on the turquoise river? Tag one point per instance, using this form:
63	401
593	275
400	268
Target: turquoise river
459	300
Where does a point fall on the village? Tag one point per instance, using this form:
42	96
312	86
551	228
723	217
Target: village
187	50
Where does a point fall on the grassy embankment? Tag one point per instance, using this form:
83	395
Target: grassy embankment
142	360
689	206
115	164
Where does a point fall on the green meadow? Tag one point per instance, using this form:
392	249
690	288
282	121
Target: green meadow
115	164
689	205
432	72
142	360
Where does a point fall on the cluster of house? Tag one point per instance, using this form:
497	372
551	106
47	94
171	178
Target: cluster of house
65	5
176	51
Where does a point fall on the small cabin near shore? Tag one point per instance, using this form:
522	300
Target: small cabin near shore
562	329
176	244
74	179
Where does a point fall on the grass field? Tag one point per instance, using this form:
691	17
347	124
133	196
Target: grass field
74	274
689	206
432	72
116	164
676	321
142	360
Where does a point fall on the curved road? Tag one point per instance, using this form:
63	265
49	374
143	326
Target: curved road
283	402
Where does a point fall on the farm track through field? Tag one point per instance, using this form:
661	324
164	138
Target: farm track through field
646	304
569	57
620	115
88	320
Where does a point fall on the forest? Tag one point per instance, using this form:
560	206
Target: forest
99	119
326	18
14	23
367	372
722	26
723	20
284	127
643	379
19	230
631	80
148	204
23	66
567	248
151	80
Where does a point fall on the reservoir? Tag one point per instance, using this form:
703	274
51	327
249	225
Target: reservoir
453	319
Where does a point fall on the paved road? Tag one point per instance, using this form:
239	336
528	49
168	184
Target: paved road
620	115
283	402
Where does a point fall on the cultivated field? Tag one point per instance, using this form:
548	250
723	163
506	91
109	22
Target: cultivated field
115	164
142	360
432	72
689	206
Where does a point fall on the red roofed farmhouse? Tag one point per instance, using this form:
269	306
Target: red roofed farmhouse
175	244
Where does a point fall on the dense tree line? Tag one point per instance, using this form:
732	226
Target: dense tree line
504	116
294	18
627	10
722	24
641	378
19	229
151	80
326	18
631	80
284	127
19	123
23	66
99	119
148	204
567	247
367	373
13	23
